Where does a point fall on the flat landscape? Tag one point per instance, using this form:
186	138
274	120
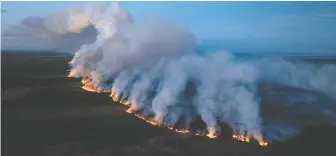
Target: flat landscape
44	113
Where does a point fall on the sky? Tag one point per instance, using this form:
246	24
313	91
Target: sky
240	26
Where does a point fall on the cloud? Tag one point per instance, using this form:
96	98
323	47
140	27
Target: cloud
32	34
63	30
55	32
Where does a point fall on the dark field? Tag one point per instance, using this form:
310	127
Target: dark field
46	114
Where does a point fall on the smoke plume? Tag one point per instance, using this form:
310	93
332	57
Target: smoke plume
155	67
151	64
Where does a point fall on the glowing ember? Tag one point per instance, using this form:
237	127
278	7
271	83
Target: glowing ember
153	122
126	103
184	131
83	81
263	143
115	99
247	139
211	135
199	134
89	87
241	138
129	110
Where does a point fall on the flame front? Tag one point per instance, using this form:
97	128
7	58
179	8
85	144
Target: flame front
241	137
263	143
211	131
90	89
248	138
184	131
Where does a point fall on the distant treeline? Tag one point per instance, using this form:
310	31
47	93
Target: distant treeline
34	52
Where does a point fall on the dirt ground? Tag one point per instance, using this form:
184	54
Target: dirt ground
46	114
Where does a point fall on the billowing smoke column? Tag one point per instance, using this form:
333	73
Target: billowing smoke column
152	62
150	65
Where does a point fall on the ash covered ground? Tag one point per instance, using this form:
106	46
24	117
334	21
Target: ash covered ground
45	113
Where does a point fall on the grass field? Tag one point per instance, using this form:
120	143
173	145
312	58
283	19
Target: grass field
46	114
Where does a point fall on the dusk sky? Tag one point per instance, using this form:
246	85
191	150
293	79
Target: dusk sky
259	26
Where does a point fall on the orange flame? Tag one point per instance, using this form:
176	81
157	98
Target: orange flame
90	89
241	138
211	131
184	131
150	120
129	110
263	143
83	81
126	103
115	99
247	139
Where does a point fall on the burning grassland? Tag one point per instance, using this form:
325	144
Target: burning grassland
210	134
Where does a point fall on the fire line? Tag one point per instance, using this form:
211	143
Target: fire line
211	132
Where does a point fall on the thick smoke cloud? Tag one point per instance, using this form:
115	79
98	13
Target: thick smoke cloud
152	62
154	65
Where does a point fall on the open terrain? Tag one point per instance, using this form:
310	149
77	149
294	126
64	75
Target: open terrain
46	114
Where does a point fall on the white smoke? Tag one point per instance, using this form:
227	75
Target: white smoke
299	75
152	64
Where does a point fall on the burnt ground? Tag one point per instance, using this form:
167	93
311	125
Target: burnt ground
46	114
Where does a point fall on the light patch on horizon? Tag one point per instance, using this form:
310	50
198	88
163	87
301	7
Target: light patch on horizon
326	15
